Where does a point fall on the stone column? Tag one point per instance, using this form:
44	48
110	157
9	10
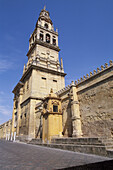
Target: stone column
51	39
31	128
76	121
19	111
44	37
13	117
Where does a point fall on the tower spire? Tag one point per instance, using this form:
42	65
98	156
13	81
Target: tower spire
44	7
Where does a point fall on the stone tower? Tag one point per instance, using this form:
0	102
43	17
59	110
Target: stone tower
42	72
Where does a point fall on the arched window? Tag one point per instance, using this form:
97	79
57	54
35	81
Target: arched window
47	38
54	41
55	108
41	36
46	26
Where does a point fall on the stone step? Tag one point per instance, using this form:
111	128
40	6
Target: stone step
109	147
106	140
110	153
35	141
77	141
108	143
84	145
91	149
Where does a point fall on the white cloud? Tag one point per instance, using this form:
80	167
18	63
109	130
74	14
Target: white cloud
5	64
5	110
1	93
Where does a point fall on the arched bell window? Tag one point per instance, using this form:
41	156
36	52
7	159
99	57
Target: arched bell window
46	26
54	41
41	36
47	38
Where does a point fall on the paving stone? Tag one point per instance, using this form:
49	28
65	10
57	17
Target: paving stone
19	156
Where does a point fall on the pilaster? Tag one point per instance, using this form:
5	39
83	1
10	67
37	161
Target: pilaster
76	121
13	116
31	131
19	111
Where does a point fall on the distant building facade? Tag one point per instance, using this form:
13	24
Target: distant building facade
82	109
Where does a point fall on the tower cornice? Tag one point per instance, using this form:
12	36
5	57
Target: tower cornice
56	48
42	69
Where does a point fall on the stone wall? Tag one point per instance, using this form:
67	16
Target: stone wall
96	109
38	120
24	118
5	130
66	112
95	97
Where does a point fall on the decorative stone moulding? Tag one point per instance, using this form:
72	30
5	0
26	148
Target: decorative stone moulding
72	83
87	75
94	72
81	79
102	67
63	90
84	77
76	83
110	62
106	65
91	74
98	70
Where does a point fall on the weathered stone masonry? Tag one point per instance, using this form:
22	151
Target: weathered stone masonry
95	100
86	104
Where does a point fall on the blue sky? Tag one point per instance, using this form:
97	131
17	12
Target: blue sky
85	39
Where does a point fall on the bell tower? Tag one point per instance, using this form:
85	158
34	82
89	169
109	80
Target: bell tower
42	72
44	55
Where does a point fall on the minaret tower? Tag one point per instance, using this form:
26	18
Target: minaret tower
44	55
42	72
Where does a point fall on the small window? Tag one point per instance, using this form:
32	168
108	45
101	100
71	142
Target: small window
54	41
41	37
46	26
25	114
55	80
43	78
46	14
47	38
55	108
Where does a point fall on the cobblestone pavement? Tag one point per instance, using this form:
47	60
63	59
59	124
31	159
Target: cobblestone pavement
20	156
